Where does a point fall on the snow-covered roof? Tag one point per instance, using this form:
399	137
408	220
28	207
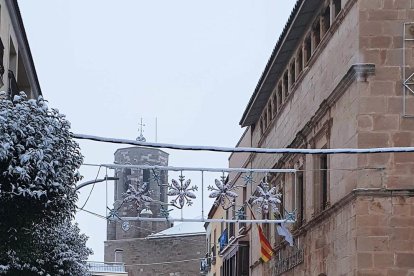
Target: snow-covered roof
182	229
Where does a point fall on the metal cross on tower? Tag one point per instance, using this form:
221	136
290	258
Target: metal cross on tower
141	137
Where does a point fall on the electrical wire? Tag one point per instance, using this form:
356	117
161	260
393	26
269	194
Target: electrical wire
242	149
112	166
90	193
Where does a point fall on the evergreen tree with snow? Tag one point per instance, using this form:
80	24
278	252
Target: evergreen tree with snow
39	164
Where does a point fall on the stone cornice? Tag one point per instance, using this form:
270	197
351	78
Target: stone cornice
361	192
357	72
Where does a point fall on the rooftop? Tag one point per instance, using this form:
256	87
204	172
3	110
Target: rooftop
182	229
300	17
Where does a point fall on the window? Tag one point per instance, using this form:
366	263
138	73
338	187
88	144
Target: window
308	49
326	20
13	88
292	74
285	85
324	180
145	176
262	127
231	225
299	61
274	103
269	112
266	227
119	255
279	96
337	7
321	182
280	187
300	202
316	31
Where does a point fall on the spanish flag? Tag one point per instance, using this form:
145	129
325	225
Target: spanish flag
266	249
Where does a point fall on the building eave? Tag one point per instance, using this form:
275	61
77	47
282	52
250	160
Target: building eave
24	48
296	26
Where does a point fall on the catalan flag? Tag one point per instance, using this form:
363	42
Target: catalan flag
266	249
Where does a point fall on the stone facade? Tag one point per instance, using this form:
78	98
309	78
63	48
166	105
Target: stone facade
187	250
337	83
177	254
126	176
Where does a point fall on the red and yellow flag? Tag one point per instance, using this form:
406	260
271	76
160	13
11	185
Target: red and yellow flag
266	249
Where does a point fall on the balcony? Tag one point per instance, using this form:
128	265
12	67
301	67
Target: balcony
204	266
107	269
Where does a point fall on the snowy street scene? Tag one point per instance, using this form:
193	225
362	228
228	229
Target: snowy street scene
215	138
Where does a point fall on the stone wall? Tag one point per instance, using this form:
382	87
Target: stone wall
372	233
385	235
138	252
380	123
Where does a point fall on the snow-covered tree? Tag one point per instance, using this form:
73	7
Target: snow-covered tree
39	164
58	250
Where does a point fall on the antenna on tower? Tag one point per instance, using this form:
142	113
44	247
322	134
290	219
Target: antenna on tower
141	137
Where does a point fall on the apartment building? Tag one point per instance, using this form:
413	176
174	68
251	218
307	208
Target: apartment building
340	76
17	70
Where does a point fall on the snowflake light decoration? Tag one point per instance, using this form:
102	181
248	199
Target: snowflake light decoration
139	196
248	178
267	198
223	193
182	191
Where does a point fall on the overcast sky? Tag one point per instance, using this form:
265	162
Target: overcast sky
193	64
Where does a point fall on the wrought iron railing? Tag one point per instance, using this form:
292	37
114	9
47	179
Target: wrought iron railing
105	267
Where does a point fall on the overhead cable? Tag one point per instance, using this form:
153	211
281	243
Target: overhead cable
243	149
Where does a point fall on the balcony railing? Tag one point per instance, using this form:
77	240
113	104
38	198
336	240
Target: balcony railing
105	267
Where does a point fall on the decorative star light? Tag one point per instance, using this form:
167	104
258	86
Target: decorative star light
241	214
113	215
223	193
139	196
267	198
182	191
290	216
164	212
248	178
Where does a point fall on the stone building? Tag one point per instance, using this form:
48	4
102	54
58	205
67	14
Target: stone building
127	176
336	79
17	70
231	256
150	248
